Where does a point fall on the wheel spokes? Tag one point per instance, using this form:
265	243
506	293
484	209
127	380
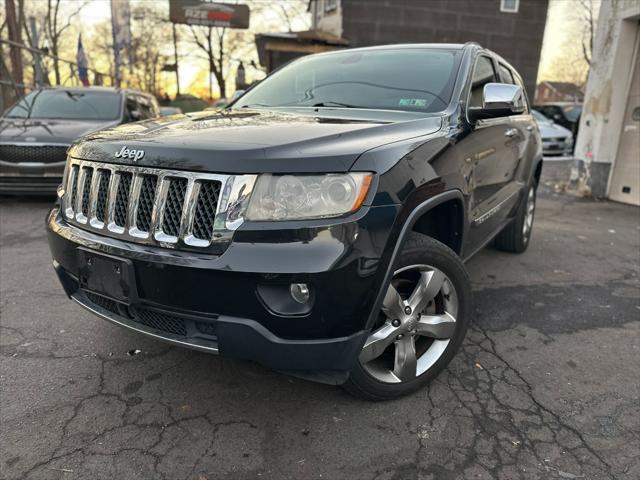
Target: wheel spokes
377	342
392	305
440	327
428	287
405	363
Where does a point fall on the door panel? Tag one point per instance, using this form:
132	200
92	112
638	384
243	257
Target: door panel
494	150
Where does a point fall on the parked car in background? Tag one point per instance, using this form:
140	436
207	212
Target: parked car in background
36	132
168	111
566	114
556	140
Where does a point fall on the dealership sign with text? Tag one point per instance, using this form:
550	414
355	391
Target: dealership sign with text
211	14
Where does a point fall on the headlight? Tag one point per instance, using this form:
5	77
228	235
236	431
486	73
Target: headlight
298	197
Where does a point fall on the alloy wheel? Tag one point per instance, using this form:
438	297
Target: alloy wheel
529	213
418	320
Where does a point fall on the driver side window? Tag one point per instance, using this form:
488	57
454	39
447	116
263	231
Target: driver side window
483	73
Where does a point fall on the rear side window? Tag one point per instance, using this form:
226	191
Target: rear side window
483	73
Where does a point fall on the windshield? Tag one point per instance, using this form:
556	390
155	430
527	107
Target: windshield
408	79
540	117
68	104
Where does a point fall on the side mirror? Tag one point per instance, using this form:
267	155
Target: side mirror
499	100
135	115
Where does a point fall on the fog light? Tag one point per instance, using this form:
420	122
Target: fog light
299	292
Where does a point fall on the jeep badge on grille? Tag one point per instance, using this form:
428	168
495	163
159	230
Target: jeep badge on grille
134	155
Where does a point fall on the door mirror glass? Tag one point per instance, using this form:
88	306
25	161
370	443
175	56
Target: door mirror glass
499	100
135	115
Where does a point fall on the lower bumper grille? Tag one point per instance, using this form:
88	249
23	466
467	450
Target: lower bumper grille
160	321
154	319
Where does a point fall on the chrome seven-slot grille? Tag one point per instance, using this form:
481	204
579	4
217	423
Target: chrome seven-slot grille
149	205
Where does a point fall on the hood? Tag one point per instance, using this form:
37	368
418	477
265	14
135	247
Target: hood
553	130
255	141
52	131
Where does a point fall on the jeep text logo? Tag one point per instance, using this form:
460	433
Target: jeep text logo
134	155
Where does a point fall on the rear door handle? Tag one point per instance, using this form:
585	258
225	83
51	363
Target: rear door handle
512	132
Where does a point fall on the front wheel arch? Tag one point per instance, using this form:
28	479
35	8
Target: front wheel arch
407	228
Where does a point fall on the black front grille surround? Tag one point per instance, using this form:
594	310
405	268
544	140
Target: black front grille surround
122	199
153	206
26	153
174	206
206	210
86	190
146	202
103	193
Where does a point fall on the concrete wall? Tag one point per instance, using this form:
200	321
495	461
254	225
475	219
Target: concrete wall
606	95
515	36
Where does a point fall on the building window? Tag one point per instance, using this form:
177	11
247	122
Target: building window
330	5
509	6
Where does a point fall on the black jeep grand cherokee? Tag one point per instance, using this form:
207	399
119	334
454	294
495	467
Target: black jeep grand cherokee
319	224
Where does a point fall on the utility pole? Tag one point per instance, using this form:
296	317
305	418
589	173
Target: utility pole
34	44
175	57
15	35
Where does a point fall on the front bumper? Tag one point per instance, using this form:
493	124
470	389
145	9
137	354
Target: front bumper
232	303
30	179
551	148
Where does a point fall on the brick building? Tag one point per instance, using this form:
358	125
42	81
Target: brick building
511	28
547	91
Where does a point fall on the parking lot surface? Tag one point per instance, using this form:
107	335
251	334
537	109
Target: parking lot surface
547	385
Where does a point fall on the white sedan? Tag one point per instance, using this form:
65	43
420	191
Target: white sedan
556	140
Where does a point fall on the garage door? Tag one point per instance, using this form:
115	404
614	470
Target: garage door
625	182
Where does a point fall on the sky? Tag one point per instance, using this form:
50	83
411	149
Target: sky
561	28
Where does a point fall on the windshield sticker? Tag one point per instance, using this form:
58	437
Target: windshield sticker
412	102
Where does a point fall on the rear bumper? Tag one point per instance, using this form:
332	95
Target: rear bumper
218	304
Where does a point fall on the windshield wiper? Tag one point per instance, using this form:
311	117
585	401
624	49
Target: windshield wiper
251	105
335	104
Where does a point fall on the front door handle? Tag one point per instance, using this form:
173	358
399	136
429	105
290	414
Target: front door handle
512	132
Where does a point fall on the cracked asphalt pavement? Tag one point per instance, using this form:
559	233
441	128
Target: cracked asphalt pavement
546	386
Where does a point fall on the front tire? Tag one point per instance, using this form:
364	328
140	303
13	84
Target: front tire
422	323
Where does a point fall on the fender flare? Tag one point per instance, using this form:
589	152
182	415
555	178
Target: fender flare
407	227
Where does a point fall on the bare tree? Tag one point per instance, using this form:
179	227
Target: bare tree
54	27
588	16
14	21
150	34
214	48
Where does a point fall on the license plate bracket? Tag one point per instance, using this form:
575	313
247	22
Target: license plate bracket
108	275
